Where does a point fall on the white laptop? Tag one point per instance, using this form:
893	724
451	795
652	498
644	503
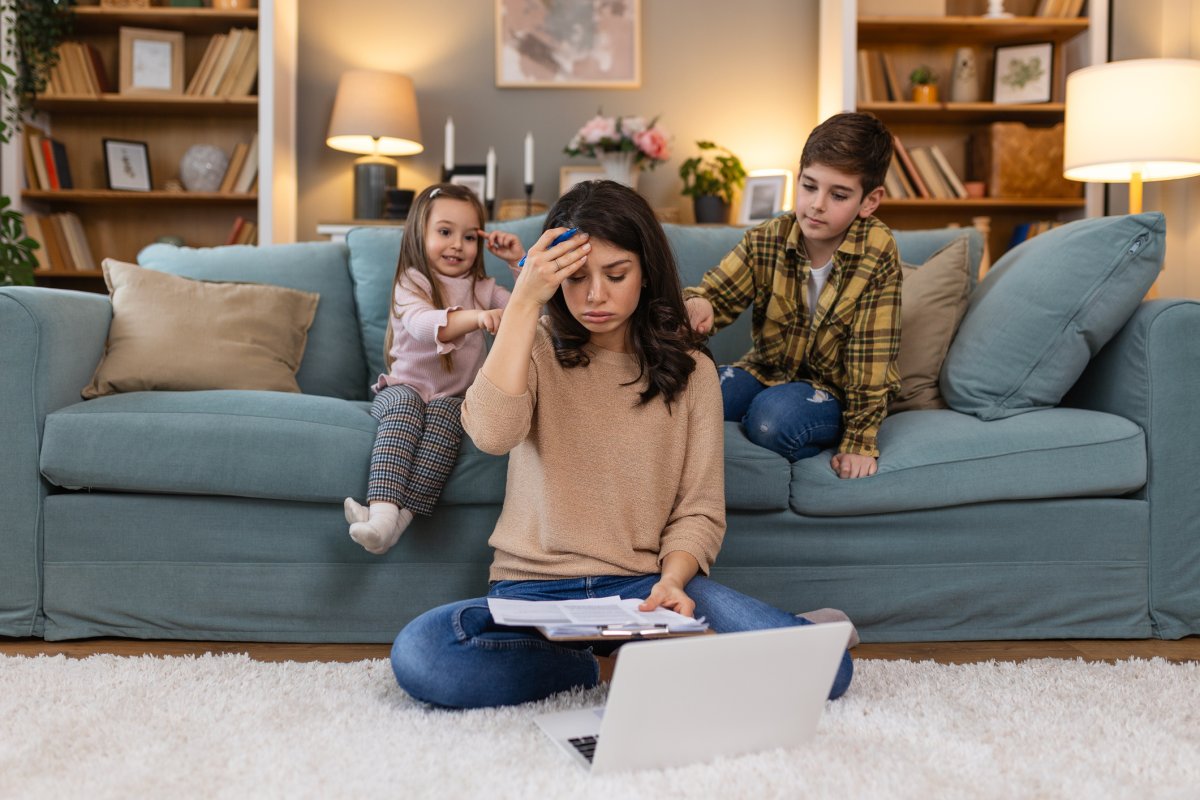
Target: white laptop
679	701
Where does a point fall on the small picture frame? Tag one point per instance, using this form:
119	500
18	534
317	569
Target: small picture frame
473	176
1023	73
127	165
569	176
762	198
151	61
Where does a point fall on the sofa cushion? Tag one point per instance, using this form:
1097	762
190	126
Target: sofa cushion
239	443
173	333
1045	309
933	299
756	479
333	362
934	459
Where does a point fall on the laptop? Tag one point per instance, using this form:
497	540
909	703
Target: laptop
679	701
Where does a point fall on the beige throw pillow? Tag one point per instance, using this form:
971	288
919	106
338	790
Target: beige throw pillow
933	300
173	333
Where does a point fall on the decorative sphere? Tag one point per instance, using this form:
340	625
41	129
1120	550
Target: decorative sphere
202	168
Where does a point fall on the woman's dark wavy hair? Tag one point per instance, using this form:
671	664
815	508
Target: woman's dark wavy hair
659	334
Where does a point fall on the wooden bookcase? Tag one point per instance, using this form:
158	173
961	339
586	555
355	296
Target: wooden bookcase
118	224
957	127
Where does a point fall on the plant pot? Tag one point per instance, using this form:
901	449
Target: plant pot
925	93
709	208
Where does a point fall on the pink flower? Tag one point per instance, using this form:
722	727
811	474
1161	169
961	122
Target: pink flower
598	128
653	143
631	126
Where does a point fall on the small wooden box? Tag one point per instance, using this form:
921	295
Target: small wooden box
1015	160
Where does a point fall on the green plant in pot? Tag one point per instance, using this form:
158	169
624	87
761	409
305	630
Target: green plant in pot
711	179
924	84
33	30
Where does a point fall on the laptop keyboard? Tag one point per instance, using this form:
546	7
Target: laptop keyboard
586	745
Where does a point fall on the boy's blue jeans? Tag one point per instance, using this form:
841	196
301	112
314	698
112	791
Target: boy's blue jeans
456	656
792	419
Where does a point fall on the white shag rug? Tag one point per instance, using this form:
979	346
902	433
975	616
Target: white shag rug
228	726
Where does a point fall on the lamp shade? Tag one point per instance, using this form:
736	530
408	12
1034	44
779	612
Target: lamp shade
375	113
1138	116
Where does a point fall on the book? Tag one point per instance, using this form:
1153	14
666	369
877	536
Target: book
200	76
33	229
48	158
594	618
249	169
865	94
31	173
236	160
80	64
101	74
34	137
76	239
247	73
947	172
222	64
235	231
892	86
56	243
906	161
930	173
237	61
248	234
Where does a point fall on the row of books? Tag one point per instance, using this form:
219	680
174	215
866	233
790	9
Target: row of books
46	164
922	172
1059	8
62	244
229	66
241	176
79	71
877	78
1027	230
243	232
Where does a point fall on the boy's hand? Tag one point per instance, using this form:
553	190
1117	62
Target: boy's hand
700	314
503	245
853	465
669	594
489	320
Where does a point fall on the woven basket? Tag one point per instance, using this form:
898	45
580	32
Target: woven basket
1018	161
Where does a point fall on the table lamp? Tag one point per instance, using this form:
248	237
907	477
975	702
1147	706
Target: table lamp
374	115
1133	121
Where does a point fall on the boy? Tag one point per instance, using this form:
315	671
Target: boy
825	284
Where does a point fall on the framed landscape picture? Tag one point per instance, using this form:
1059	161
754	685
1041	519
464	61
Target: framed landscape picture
569	44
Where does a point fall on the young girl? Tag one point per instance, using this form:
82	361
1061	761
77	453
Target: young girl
441	303
612	419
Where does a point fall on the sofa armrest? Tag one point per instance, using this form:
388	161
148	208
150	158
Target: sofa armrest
52	341
1150	373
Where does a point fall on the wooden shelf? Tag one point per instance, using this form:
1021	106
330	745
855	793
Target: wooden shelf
68	273
959	31
183	105
107	196
96	19
978	204
957	113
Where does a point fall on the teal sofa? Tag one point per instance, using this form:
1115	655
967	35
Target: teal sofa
217	515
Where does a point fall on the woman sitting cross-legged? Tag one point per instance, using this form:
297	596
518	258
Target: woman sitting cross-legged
611	414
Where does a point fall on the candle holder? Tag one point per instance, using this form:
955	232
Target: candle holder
491	208
529	199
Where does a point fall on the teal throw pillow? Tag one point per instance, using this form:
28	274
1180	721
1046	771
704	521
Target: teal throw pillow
1045	309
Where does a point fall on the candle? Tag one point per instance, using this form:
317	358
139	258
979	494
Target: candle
449	157
529	159
489	192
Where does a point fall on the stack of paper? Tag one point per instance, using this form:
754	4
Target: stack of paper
600	617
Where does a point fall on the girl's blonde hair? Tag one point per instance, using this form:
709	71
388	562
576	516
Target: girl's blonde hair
414	257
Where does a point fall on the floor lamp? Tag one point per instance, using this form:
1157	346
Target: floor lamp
374	115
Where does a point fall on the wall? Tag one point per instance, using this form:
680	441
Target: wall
1164	29
741	74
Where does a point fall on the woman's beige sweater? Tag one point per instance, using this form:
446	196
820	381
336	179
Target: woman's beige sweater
597	484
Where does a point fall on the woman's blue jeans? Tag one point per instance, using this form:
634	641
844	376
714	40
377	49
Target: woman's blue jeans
792	419
456	656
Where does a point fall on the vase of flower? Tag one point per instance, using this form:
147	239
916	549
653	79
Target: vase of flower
624	146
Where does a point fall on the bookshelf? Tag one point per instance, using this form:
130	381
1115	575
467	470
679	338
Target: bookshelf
119	223
958	129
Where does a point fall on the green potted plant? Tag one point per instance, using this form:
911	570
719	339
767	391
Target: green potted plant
711	179
924	84
33	30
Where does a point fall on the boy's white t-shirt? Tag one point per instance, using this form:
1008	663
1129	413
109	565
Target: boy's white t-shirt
817	278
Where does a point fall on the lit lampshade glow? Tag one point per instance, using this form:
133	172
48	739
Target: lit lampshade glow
375	113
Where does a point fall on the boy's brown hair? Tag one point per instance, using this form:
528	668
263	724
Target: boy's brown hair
853	142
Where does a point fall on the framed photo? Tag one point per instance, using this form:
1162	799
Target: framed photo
569	176
151	62
1023	73
473	176
574	44
127	165
762	198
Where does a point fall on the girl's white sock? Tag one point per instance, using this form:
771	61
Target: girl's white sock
382	529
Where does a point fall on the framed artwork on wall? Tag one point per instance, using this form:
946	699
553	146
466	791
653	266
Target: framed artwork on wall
569	176
1023	73
473	176
762	198
569	44
127	165
151	61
